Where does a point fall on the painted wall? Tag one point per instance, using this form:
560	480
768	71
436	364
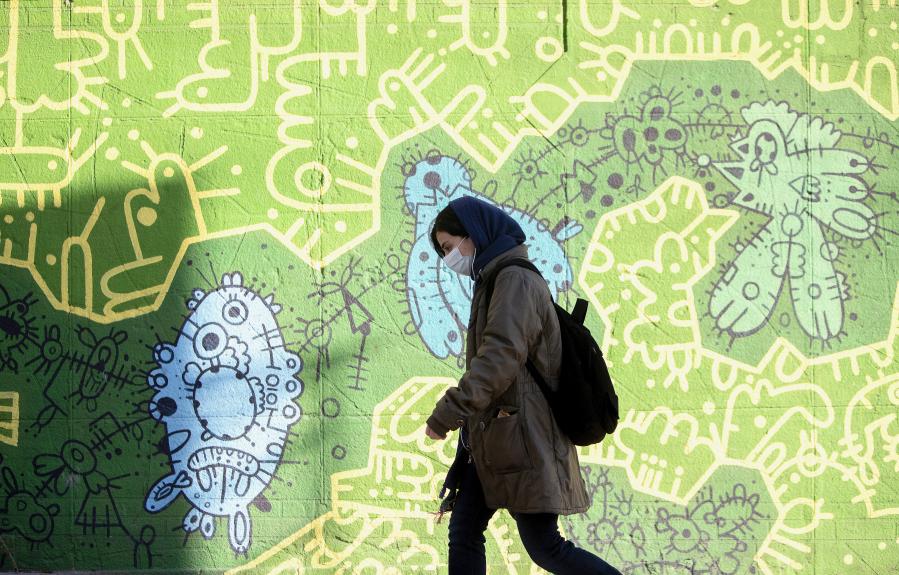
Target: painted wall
222	328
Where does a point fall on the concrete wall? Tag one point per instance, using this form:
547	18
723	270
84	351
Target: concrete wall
222	327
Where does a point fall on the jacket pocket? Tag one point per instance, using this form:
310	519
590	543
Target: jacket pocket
505	447
544	429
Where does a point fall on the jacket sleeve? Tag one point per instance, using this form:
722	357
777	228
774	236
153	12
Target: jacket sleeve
512	326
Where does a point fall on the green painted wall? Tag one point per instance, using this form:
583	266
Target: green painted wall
222	328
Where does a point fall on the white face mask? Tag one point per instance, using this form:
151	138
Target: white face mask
458	263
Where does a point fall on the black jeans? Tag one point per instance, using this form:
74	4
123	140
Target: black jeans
539	533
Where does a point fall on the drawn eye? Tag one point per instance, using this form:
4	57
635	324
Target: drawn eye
38	522
210	341
103	355
579	136
529	169
163	353
235	312
51	349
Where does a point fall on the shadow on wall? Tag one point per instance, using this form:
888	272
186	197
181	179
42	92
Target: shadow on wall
114	422
67	481
225	390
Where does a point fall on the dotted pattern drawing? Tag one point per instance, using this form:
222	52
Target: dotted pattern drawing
787	151
324	200
717	179
711	130
438	308
224	391
751	415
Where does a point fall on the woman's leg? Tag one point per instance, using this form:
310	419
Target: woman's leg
547	548
468	521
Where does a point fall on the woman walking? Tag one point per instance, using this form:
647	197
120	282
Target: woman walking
511	453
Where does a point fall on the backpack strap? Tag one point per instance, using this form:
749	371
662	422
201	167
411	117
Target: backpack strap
579	313
522	263
517	262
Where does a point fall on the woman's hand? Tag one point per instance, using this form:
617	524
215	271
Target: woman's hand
433	434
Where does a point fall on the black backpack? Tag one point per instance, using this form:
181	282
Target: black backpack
584	405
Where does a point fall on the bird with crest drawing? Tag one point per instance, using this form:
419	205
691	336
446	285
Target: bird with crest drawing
789	167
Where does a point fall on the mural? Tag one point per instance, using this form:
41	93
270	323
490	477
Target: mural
785	151
717	179
440	299
224	391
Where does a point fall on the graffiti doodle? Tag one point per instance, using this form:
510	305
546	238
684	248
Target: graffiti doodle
224	391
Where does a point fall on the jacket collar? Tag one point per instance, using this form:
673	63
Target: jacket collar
519	251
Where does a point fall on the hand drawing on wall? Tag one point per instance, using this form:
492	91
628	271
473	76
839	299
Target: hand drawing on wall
122	156
9	417
439	308
620	155
788	167
74	369
97	368
225	392
75	468
21	513
644	139
716	532
17	332
341	297
535	180
49	67
100	367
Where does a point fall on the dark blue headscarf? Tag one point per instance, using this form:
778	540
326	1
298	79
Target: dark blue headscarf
492	230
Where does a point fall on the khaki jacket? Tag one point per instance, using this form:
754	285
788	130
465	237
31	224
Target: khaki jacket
524	462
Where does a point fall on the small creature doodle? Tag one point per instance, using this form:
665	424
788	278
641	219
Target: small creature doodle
436	295
17	331
716	533
21	513
225	392
789	168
